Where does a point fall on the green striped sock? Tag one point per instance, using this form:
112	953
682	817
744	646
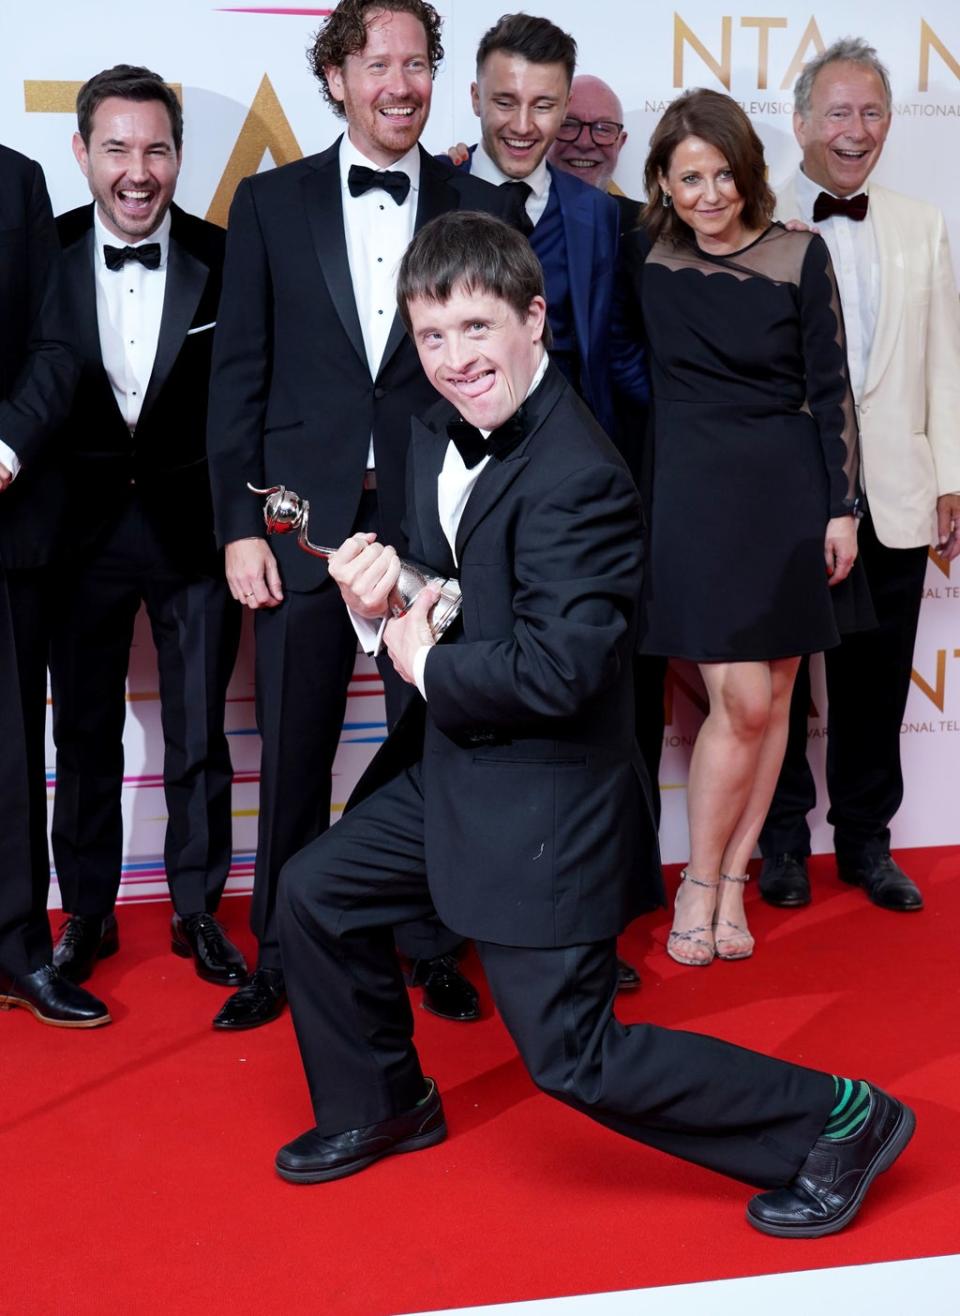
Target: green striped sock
851	1109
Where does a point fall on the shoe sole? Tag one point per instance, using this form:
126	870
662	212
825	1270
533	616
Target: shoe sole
417	1143
792	902
886	1155
452	1018
243	1028
8	1003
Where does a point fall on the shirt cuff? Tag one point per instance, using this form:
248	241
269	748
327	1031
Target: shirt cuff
419	667
9	459
369	631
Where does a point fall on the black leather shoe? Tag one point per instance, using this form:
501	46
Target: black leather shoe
52	999
215	957
884	881
784	881
82	942
628	980
446	992
833	1180
315	1157
259	1002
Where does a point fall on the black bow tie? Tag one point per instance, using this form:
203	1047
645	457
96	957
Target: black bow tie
473	447
518	191
361	179
148	254
854	207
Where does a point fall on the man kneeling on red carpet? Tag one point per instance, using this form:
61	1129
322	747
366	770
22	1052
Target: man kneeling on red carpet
512	796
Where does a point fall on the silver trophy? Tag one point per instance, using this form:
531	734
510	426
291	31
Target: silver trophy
285	511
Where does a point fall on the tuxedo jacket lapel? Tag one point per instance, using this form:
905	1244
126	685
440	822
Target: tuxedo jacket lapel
578	232
324	206
429	449
81	283
891	244
186	280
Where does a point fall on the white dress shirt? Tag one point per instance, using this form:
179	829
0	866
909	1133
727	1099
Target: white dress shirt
852	245
129	309
377	232
482	166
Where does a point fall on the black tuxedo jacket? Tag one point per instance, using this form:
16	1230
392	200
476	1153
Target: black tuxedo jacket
37	367
292	400
537	815
166	456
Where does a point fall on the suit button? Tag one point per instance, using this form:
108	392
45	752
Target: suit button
379	392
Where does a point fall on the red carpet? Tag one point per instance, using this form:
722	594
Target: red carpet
137	1159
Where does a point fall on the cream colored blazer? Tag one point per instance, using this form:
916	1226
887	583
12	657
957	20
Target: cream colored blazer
910	410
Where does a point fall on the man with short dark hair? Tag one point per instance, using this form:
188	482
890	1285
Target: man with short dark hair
313	386
891	256
141	285
37	376
512	796
525	68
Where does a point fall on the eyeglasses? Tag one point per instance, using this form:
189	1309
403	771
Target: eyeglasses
603	131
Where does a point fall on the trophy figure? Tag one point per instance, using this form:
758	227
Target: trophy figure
285	512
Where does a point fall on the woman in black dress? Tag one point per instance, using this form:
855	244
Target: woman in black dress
755	478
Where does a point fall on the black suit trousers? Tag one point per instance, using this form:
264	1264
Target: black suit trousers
735	1111
24	861
305	652
196	629
868	680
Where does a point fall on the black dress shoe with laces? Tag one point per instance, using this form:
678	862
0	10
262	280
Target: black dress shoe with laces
52	999
315	1157
215	957
259	1002
446	992
784	881
884	881
628	979
833	1181
82	942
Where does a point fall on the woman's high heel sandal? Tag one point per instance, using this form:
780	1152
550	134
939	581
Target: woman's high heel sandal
692	936
741	932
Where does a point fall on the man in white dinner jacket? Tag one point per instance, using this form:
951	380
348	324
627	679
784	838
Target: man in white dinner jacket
902	318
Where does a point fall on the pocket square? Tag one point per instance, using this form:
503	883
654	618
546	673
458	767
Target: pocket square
200	328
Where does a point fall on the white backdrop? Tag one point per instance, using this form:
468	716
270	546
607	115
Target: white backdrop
249	102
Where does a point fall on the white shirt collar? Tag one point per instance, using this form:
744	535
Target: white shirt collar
808	191
104	237
408	164
483	166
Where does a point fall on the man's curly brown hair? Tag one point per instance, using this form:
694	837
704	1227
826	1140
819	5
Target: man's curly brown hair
345	33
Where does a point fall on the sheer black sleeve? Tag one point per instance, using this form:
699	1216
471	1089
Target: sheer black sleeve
829	396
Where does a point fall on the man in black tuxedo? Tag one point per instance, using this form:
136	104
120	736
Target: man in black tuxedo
512	794
313	386
141	283
37	375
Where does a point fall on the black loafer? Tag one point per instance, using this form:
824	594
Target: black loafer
446	992
82	942
315	1157
53	999
884	881
833	1180
628	979
215	957
784	881
259	1002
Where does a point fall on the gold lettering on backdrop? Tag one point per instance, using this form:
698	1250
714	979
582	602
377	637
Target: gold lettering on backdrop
929	38
42	96
935	693
763	44
682	33
266	128
811	37
939	562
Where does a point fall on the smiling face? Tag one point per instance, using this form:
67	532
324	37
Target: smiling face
700	183
386	87
131	165
520	106
478	352
844	133
591	101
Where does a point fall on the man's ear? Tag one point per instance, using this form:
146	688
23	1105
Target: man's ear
475	98
80	152
334	76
